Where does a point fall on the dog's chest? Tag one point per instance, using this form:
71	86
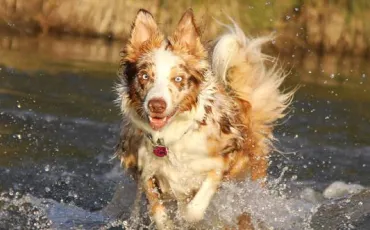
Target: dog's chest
184	167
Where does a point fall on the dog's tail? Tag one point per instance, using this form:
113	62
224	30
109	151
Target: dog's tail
239	63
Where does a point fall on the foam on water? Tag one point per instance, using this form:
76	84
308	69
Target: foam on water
340	188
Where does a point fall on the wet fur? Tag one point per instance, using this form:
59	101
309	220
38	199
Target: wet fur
224	112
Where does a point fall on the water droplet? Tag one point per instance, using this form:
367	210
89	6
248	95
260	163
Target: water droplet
68	180
47	168
296	9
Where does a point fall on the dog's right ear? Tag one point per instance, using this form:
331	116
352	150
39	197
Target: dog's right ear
143	29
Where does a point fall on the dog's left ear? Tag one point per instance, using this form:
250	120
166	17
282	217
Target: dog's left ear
187	34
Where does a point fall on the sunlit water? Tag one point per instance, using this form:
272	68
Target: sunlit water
58	127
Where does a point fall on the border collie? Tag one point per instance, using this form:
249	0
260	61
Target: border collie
194	117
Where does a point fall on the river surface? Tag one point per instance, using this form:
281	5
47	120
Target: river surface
59	125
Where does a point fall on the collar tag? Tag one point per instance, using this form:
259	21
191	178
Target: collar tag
160	150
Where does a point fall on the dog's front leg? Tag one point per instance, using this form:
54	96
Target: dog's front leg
195	209
157	209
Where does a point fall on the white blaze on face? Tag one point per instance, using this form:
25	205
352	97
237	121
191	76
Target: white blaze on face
164	61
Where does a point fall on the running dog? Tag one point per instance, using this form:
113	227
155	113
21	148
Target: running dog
194	117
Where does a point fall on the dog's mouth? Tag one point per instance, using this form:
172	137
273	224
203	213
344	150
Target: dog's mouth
157	122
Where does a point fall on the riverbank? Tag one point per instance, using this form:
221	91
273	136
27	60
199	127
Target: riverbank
326	26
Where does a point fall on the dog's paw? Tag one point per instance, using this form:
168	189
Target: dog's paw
193	213
166	225
162	221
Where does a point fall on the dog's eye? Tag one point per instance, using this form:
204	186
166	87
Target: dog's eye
145	76
178	79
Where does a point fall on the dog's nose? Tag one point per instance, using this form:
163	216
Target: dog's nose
157	105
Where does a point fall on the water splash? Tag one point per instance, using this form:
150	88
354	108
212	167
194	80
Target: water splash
18	212
28	212
267	207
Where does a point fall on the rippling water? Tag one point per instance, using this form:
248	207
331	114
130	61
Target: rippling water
58	127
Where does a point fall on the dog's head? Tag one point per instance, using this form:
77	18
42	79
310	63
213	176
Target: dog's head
161	77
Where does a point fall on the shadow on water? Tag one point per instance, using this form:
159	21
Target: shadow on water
58	126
